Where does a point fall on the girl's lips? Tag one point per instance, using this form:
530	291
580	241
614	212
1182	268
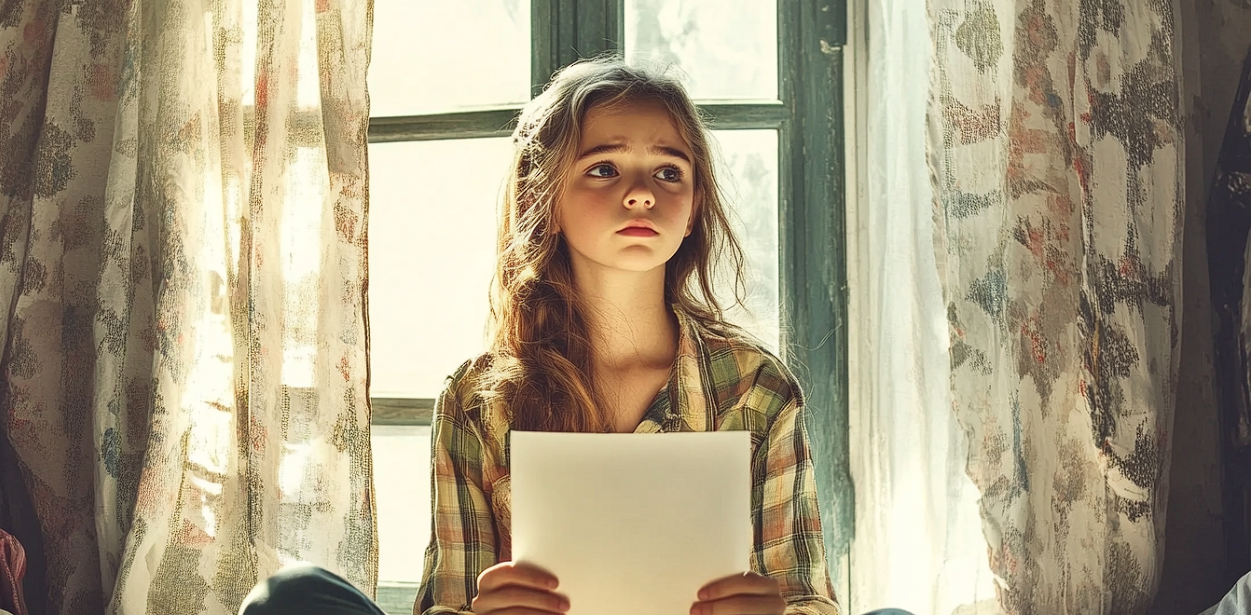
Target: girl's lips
637	231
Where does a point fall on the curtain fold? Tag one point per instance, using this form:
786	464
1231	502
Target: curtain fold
1058	156
183	271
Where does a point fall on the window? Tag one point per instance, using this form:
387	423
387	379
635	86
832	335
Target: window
446	82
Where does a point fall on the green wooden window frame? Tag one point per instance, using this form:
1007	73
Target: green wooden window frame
809	119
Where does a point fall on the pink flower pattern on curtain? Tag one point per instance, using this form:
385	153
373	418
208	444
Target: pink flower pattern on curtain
183	272
1058	157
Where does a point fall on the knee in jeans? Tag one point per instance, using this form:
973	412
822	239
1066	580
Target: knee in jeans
296	576
293	585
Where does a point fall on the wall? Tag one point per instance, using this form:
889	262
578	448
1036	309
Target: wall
1215	38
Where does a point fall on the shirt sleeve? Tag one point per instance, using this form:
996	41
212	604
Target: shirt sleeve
788	542
462	541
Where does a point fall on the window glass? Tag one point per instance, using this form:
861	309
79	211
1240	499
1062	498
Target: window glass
432	234
431	256
725	54
748	176
402	482
431	57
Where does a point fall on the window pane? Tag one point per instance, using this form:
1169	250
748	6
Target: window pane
748	176
432	252
726	54
431	57
402	482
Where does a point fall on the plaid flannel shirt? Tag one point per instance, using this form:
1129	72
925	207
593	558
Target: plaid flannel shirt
720	381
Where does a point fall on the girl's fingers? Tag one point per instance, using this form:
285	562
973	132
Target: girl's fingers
742	605
509	573
748	583
514	598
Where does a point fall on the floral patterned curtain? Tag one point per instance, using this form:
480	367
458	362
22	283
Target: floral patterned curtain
1057	148
183	276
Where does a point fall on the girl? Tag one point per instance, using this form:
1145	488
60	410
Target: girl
604	319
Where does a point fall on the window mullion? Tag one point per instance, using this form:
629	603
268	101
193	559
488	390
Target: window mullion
748	116
813	266
456	125
545	36
600	27
562	31
401	411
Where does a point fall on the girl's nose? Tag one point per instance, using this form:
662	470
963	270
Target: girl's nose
646	202
640	196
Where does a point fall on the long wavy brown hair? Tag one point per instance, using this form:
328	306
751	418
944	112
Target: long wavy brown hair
541	356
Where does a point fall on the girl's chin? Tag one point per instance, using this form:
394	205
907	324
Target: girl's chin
630	265
637	257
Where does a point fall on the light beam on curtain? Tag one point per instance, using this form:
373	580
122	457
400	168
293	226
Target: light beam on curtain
1059	175
183	273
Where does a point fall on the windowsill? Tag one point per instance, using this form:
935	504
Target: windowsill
396	598
401	411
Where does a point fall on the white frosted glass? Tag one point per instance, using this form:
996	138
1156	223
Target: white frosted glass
748	175
432	219
402	484
431	57
726	51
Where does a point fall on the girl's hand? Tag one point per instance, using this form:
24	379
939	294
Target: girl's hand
518	589
741	594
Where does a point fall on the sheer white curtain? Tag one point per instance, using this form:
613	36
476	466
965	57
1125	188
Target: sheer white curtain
919	543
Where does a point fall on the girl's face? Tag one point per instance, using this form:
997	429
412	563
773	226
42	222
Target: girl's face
629	199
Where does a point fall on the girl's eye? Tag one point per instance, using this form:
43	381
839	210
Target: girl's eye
669	174
602	170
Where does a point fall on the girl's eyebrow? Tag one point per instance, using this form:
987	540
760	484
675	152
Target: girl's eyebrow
619	148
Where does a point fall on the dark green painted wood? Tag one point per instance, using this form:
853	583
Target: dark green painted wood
565	31
401	410
830	22
813	255
544	41
745	116
600	28
500	122
460	125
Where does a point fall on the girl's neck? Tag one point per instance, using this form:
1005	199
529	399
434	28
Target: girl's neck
630	324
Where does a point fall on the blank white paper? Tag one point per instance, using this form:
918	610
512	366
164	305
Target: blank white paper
632	523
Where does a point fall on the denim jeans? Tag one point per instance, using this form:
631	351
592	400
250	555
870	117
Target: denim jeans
309	590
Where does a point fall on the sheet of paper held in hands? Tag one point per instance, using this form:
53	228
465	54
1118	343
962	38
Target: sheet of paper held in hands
632	523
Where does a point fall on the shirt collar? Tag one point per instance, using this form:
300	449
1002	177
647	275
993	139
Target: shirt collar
686	403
